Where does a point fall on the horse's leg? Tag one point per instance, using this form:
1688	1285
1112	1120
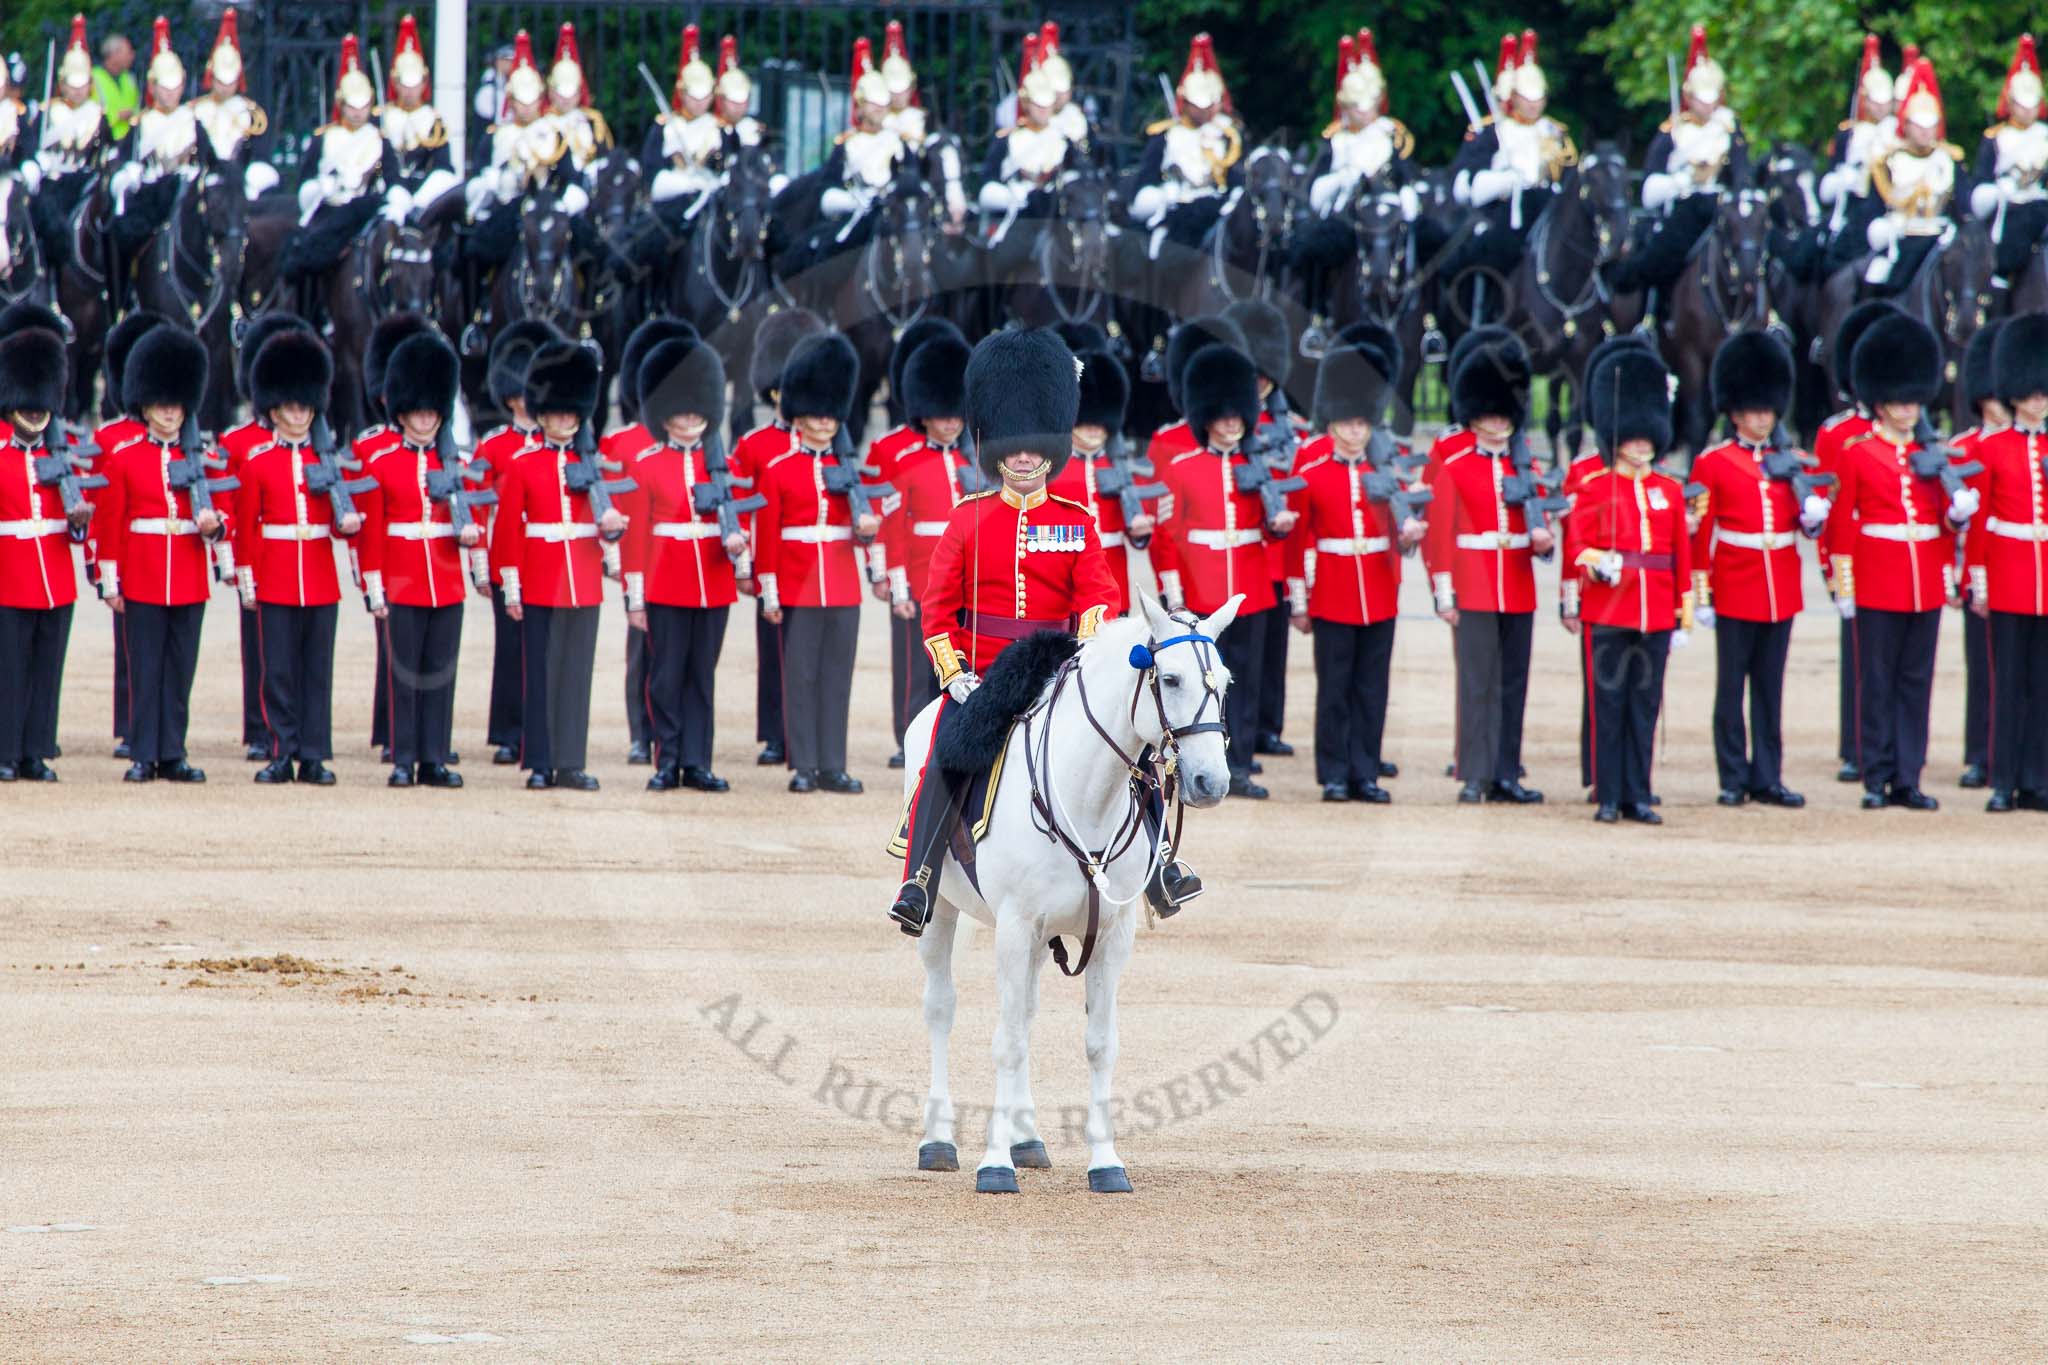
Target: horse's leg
1016	944
1027	1148
1106	1174
1553	414
936	948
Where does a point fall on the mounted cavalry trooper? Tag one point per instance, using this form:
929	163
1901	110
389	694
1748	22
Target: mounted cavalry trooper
1508	168
1014	562
1067	116
1918	179
164	154
527	146
72	139
2010	194
1028	159
1191	160
694	142
418	167
584	132
233	122
864	159
909	121
1698	154
1859	142
1364	148
342	183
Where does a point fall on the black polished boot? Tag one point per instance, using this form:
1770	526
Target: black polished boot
275	773
1173	885
912	909
438	775
665	779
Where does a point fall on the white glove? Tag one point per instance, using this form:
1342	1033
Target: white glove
1880	234
962	687
1963	505
1608	568
1813	513
259	180
1847	607
1835	181
1703	617
32	174
1984	200
1411	204
1659	190
1680	639
575	200
1488	186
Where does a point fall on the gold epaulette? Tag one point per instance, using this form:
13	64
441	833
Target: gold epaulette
1331	128
1665	126
370	433
1845	125
1404	141
1859	438
436	136
1002	132
599	129
1069	502
1472	129
984	493
1153	129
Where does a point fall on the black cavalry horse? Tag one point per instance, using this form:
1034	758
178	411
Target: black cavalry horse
1061	268
1724	288
23	278
538	281
388	268
192	271
724	283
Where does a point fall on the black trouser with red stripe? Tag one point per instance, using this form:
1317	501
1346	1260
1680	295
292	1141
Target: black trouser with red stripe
1352	663
1976	690
559	648
913	682
1273	669
298	679
380	688
163	655
640	726
502	729
768	727
121	699
32	645
252	679
1492	650
1895	687
683	648
1749	657
426	643
1242	647
2019	695
1627	668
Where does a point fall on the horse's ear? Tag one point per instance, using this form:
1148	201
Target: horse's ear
1214	625
1156	619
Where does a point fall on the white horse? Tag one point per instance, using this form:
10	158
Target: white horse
1151	678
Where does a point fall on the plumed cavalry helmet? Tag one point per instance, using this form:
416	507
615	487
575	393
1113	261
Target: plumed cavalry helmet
868	84
1360	83
32	374
1057	71
352	89
1034	82
1525	74
524	85
1704	79
1922	105
74	72
819	378
409	63
1022	394
1201	80
224	63
897	72
565	77
1752	372
1873	82
2022	87
734	84
1898	360
681	376
422	376
1629	394
165	70
694	76
293	367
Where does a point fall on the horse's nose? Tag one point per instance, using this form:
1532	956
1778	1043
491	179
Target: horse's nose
1207	787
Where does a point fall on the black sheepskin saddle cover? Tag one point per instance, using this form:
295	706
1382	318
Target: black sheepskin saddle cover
975	734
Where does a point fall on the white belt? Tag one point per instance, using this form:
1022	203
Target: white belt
34	529
1494	540
1906	531
163	526
686	530
817	535
420	530
559	531
1111	539
1224	540
1757	540
2018	530
1353	545
295	531
927	528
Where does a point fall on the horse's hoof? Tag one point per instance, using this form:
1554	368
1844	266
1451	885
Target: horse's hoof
1109	1180
1030	1156
938	1156
995	1180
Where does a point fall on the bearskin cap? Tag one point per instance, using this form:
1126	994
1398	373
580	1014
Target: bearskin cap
1854	324
512	350
421	375
386	337
1490	335
914	336
1620	341
633	355
121	339
33	371
1491	381
18	317
261	329
1752	372
292	367
1082	337
1022	394
1267	339
774	339
1355	381
1191	336
168	365
1980	364
563	376
1897	360
1629	396
681	375
2019	358
1220	381
935	379
1105	392
819	378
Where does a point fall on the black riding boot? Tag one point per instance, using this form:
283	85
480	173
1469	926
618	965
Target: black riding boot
932	819
1174	883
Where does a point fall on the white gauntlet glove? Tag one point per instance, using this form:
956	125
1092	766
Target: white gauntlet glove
1608	568
1813	513
1169	590
1847	607
1704	618
1963	504
245	584
962	687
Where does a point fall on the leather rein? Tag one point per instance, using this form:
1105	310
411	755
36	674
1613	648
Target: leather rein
1038	767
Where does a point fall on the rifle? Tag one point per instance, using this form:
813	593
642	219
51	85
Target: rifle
586	475
1932	460
1536	494
449	484
1120	480
844	479
327	474
63	471
972	480
715	495
1793	466
1387	477
193	472
1254	477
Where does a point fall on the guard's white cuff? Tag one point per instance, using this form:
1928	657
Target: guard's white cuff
1980	582
771	592
1169	589
899	584
1984	200
373	588
1446	596
1297	597
636	591
245	584
110	579
509	581
1659	189
575	200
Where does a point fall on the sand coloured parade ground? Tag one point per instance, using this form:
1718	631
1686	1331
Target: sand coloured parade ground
513	1076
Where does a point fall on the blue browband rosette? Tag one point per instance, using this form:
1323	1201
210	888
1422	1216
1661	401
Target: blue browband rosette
1144	656
1141	657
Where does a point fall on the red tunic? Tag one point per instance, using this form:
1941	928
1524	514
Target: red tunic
1887	529
927	482
150	548
284	535
1008	565
1643	518
409	548
1211	540
1175	438
892	445
544	545
672	555
1079	482
1748	541
1358	554
495	453
2007	545
35	539
803	539
1834	434
1478	547
108	438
